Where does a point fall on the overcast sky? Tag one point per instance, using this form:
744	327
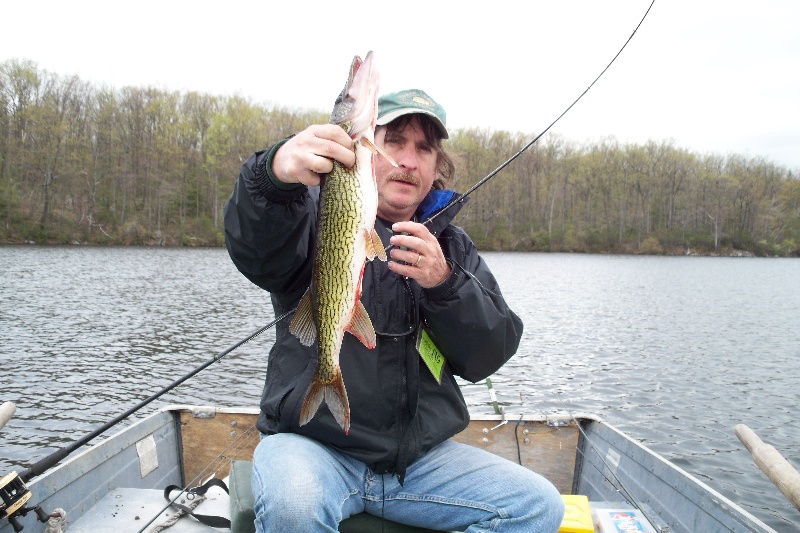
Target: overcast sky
712	76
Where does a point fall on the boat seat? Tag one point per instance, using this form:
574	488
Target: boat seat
243	516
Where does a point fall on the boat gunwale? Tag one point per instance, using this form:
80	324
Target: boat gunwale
167	419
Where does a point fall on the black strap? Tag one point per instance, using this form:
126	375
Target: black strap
209	520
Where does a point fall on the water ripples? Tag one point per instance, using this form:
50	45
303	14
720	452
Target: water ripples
673	351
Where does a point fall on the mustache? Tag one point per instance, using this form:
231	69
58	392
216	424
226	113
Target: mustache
405	176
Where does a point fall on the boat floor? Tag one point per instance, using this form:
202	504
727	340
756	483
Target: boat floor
126	510
129	510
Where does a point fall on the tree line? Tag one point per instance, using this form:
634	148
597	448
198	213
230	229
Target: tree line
147	166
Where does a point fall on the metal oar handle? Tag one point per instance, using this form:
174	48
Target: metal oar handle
6	412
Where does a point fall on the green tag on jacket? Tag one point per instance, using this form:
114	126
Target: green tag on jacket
433	358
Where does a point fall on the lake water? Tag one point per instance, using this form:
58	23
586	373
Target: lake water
675	351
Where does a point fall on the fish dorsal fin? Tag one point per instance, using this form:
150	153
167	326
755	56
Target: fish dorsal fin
375	150
361	326
374	245
302	325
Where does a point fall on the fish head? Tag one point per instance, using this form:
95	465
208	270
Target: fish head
356	108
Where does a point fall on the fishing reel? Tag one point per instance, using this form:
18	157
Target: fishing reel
13	496
13	492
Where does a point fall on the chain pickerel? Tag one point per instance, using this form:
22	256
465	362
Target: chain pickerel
346	238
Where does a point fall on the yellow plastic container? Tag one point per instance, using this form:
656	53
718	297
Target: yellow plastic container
577	515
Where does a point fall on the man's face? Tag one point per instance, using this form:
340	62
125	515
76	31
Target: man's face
402	188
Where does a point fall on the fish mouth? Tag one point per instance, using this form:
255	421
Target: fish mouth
405	177
356	108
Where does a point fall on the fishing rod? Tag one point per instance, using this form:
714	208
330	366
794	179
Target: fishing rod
54	458
462	197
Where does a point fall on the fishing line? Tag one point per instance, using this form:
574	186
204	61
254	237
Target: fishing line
472	189
615	482
54	458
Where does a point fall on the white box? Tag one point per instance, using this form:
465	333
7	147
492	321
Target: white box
619	520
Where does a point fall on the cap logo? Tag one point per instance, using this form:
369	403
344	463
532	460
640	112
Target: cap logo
421	101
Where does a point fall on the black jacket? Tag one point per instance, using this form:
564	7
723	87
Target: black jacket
398	410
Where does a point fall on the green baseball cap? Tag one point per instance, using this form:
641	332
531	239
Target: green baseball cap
394	105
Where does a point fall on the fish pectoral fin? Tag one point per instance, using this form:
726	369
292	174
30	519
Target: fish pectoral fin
334	394
375	150
361	326
374	245
302	325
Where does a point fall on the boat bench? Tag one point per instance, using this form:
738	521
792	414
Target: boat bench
243	516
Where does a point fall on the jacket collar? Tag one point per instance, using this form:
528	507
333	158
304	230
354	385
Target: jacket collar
432	204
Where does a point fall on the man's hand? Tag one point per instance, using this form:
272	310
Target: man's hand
310	153
425	261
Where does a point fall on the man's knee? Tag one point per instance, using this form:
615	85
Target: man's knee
296	486
543	504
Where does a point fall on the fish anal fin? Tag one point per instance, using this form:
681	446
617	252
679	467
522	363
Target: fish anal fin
374	245
335	396
302	325
361	326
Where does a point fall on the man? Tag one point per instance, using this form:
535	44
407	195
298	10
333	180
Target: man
396	461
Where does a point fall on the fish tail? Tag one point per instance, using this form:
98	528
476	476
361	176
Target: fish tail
334	395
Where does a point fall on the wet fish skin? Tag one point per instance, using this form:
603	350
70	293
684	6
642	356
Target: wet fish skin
346	238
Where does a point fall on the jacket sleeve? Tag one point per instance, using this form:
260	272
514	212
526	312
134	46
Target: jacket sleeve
470	320
269	228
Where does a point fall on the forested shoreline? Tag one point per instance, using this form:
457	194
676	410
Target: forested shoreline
147	166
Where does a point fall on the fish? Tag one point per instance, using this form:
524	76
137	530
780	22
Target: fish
346	239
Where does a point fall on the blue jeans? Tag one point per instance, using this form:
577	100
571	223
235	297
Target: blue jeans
300	484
